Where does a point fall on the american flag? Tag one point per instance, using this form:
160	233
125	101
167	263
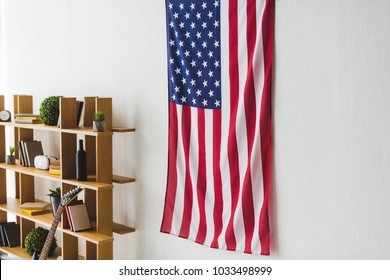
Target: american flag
219	146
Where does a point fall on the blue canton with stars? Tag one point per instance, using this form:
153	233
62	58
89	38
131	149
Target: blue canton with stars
194	53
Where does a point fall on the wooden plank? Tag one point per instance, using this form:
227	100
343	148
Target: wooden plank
3	186
68	155
24	104
25	227
105	251
76	130
122	180
26	188
90	201
68	112
2	144
90	251
104	159
105	105
122	229
122	129
104	213
20	253
90	150
89	109
71	248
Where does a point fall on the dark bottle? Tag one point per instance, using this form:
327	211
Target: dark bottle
81	163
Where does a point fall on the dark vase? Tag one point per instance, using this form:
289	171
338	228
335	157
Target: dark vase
81	163
55	202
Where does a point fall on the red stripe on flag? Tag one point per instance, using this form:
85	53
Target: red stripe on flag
232	137
218	201
266	121
172	172
202	180
188	194
250	116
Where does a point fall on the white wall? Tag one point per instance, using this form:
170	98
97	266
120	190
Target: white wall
331	121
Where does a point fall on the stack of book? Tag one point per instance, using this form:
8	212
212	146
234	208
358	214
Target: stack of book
28	150
35	208
27	118
55	167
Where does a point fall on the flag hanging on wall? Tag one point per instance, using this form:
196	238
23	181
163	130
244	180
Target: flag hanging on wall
219	146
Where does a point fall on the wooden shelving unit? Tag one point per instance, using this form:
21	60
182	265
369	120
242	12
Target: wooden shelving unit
98	189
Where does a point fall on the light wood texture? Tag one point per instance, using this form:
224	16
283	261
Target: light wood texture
76	130
104	211
105	105
122	129
98	189
24	104
90	149
89	109
105	252
68	113
122	180
71	248
20	253
121	229
27	193
91	251
68	155
104	159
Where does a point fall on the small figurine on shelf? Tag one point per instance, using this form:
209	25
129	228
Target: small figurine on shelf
10	159
99	124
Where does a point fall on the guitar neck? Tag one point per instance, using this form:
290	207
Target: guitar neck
50	236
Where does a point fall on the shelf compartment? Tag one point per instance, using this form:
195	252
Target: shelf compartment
13	206
32	171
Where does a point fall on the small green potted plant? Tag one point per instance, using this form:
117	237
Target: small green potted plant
10	159
35	240
99	123
55	198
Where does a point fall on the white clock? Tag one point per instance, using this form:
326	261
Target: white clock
5	116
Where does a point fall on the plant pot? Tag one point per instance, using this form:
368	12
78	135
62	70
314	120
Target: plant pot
99	126
55	202
10	159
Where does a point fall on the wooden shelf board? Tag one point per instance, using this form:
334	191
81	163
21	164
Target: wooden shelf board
21	253
90	184
90	235
122	180
121	229
76	130
122	129
12	206
30	171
